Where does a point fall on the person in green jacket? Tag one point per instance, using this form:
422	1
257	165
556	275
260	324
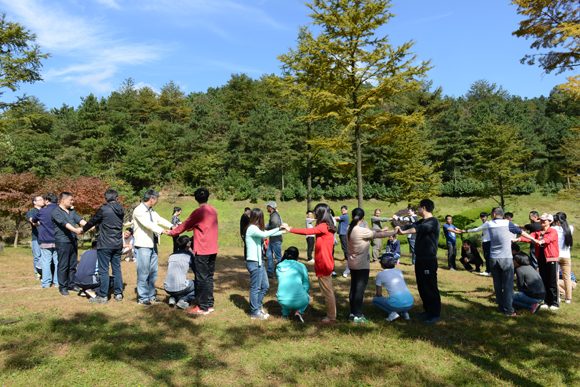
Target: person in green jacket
293	284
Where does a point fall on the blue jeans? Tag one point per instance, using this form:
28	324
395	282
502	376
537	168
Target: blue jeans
112	257
35	255
47	257
259	285
412	249
384	304
299	305
146	272
187	294
276	248
502	272
521	299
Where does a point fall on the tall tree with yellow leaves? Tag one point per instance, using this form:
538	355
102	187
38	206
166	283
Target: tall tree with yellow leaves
353	73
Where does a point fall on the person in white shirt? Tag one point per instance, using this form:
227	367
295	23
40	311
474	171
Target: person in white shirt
128	245
565	242
400	299
485	242
310	239
147	227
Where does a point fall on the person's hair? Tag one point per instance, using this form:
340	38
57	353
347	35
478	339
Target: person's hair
50	197
412	209
34	198
176	209
448	216
357	215
510	214
483	214
291	253
377	209
522	259
182	242
94	243
498	211
322	213
467	242
309	212
130	229
331	212
247	209
535	214
345	207
388	261
150	194
111	195
561	218
428	204
515	247
64	195
201	195
256	219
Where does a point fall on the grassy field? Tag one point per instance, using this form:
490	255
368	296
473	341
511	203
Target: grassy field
50	340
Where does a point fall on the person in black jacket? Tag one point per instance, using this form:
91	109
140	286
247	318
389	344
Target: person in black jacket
109	218
469	254
87	275
530	285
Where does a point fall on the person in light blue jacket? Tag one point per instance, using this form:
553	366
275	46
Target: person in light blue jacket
259	285
293	284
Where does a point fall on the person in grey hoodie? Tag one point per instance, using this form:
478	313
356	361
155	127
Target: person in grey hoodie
293	284
109	219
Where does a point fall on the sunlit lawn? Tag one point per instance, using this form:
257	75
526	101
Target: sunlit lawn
50	340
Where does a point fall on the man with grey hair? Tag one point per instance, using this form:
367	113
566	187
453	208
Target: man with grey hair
501	258
275	245
146	229
376	225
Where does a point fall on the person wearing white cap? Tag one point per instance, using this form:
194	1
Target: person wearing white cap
547	253
275	245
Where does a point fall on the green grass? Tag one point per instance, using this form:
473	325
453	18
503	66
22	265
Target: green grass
50	340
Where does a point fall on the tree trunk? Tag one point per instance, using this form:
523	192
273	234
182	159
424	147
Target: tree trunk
455	173
282	177
501	195
17	233
568	180
308	170
359	180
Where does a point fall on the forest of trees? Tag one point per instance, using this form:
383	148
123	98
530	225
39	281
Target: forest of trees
244	141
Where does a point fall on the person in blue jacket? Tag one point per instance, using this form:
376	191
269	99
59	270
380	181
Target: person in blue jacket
293	284
394	247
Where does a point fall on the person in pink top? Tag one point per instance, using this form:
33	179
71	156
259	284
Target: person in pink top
323	259
204	223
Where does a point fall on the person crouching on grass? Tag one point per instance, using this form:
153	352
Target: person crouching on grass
394	247
293	284
400	299
176	284
531	288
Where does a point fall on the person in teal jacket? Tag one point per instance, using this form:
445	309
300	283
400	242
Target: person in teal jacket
293	284
255	232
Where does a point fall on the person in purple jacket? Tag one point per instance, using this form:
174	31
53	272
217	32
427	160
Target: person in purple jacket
48	254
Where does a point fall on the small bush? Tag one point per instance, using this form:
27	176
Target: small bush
300	191
288	193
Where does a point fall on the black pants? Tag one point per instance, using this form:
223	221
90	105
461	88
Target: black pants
245	247
549	274
67	264
175	243
467	266
426	275
310	241
487	255
533	259
344	245
204	270
358	284
451	255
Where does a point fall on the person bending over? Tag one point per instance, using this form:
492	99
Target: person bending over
176	284
469	254
400	299
531	288
293	284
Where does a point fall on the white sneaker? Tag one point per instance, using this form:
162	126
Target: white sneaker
406	315
263	313
311	261
544	306
393	316
554	307
568	301
334	274
485	274
344	275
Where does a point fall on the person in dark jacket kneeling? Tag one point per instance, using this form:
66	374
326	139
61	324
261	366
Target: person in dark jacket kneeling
176	284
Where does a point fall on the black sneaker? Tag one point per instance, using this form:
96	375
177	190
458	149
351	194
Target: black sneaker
270	275
155	300
99	300
64	292
144	303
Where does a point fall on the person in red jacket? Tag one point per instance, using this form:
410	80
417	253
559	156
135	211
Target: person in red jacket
204	223
547	253
323	259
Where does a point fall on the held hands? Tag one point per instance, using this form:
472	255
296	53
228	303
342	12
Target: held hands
165	232
398	230
78	231
385	229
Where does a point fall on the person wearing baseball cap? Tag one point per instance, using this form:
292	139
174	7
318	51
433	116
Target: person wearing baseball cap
275	245
547	252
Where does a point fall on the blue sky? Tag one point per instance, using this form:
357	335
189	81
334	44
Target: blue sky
96	44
